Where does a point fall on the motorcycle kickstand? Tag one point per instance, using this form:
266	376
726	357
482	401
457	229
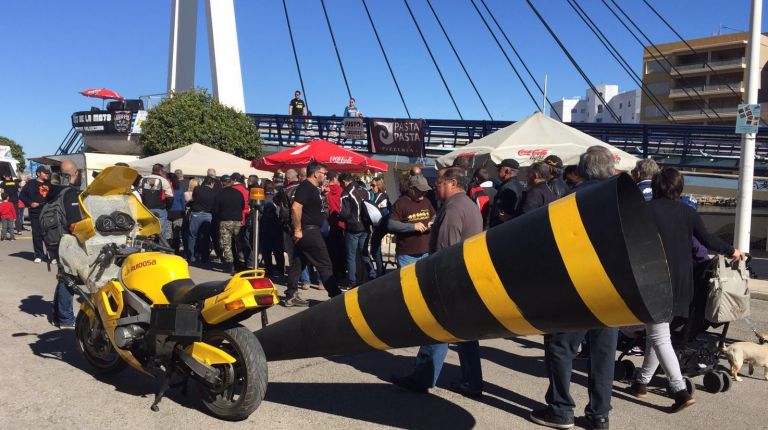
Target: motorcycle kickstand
165	384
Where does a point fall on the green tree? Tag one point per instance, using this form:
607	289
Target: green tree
17	151
196	116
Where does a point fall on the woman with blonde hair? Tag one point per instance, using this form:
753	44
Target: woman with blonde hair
380	199
191	187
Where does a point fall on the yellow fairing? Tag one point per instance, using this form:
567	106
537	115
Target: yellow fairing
147	272
238	289
109	302
208	354
113	181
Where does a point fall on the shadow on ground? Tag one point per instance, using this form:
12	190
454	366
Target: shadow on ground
375	403
36	306
25	255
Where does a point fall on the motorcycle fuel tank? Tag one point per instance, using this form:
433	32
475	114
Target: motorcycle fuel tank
147	272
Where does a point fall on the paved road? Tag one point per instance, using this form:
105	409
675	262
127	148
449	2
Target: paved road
46	385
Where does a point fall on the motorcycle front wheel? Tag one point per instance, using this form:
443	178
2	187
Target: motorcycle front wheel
96	347
244	382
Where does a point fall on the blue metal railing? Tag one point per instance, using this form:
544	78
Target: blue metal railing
691	146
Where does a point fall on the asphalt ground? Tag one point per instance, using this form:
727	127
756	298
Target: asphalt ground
45	384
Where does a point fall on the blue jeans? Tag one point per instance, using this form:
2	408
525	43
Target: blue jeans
559	351
63	299
406	259
376	237
356	242
199	228
430	359
304	277
298	124
162	214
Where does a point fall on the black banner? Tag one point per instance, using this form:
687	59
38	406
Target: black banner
103	122
396	137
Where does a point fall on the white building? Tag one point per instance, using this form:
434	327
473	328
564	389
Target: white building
625	105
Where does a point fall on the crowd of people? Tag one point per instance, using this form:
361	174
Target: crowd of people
330	226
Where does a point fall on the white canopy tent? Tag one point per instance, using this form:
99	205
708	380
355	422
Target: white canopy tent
196	159
530	140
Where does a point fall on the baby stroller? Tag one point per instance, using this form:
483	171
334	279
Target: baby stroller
695	340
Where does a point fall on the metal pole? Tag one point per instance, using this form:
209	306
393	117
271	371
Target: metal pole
255	236
747	163
544	103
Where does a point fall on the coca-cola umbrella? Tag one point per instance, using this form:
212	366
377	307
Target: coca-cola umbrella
323	151
102	93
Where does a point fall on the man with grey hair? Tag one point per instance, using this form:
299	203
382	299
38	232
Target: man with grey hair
302	174
643	173
596	164
560	349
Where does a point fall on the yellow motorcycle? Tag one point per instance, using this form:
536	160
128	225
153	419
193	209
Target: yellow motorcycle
141	308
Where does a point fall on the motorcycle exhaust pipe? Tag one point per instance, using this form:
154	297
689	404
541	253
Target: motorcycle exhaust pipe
591	259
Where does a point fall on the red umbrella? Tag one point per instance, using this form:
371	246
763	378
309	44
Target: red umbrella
328	153
102	93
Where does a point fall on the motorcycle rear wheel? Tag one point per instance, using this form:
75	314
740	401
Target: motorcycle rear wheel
244	382
99	353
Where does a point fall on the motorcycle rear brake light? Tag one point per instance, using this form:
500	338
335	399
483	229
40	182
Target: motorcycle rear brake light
233	306
265	300
259	283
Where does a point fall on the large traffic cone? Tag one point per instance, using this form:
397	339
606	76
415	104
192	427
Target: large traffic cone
591	259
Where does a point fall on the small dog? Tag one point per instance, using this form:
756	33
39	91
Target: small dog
748	352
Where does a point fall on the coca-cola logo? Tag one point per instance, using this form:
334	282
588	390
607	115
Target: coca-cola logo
340	160
533	152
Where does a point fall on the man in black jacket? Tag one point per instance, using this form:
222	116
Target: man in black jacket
539	194
356	229
200	219
509	194
63	297
228	210
34	196
595	165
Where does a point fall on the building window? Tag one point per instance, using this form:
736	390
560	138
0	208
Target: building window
629	104
601	94
573	110
598	120
621	105
599	108
582	110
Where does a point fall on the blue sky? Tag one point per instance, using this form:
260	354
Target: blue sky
51	49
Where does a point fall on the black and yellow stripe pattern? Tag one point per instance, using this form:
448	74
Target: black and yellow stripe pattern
589	260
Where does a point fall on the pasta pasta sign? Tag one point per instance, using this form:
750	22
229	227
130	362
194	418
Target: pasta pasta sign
396	137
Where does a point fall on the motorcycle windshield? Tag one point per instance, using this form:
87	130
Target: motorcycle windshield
115	182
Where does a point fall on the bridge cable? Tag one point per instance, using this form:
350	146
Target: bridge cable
573	61
439	72
338	56
706	63
693	99
295	56
519	57
618	57
429	2
519	77
386	59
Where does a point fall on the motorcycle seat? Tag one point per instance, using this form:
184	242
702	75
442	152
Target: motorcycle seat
185	291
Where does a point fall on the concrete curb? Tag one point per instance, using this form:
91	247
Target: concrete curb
759	295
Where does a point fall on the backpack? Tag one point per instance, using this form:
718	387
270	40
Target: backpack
284	201
53	220
484	200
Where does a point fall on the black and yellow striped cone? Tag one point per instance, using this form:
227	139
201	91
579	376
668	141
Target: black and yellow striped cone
591	259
